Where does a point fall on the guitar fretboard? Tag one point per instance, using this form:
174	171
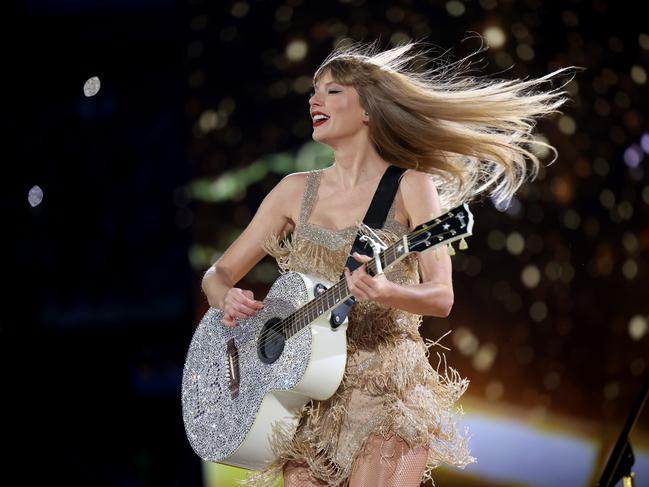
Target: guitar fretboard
338	292
447	228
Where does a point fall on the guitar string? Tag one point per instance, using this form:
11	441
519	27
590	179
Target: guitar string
295	317
317	303
288	324
317	306
308	308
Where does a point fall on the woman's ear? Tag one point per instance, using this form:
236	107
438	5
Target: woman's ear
366	118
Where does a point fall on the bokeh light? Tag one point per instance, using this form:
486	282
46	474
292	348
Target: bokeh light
35	196
91	86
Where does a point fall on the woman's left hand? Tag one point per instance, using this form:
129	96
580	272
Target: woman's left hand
365	287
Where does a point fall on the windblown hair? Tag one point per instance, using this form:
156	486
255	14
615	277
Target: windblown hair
472	134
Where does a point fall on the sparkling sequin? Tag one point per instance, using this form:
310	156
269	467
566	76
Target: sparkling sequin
216	424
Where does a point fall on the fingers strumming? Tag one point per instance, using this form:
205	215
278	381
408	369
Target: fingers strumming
249	307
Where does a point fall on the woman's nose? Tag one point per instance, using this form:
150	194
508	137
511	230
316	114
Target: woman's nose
314	99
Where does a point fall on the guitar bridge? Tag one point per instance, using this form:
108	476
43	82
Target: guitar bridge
232	356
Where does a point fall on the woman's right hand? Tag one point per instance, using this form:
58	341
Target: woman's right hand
239	304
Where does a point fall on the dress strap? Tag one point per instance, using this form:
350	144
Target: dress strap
392	210
310	192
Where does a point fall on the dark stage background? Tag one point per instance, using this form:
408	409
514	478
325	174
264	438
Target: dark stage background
115	204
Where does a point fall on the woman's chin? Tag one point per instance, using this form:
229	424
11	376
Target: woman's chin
326	136
318	137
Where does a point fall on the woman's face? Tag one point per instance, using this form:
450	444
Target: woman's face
335	109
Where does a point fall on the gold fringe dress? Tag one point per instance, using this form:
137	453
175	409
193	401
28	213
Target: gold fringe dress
388	388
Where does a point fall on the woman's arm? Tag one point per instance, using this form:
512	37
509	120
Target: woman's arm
434	295
274	215
426	298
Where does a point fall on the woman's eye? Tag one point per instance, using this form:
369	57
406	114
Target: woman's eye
312	93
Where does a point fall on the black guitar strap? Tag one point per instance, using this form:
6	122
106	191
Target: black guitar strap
374	218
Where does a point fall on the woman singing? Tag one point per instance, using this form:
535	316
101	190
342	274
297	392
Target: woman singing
393	418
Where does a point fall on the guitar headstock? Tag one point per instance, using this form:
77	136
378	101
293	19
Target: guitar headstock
453	225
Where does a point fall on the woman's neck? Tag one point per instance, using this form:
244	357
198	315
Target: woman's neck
355	165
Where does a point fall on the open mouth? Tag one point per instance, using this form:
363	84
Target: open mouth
320	119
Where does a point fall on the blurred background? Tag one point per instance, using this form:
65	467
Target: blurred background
140	136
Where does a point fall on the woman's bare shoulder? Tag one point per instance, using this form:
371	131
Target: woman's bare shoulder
295	179
420	197
293	184
419	180
291	188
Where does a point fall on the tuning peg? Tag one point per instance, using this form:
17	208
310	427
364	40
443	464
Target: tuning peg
450	249
463	245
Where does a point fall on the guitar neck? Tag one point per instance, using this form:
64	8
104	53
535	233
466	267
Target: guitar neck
339	292
449	227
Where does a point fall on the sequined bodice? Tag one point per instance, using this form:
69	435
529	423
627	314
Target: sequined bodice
330	238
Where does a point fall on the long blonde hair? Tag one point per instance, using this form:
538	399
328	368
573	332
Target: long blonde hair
469	133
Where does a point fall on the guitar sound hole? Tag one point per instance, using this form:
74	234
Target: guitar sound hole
271	341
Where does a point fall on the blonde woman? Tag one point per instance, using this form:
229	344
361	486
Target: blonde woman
393	418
